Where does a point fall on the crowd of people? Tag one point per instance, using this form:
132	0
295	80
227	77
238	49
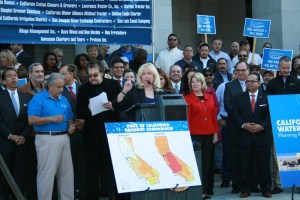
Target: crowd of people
56	148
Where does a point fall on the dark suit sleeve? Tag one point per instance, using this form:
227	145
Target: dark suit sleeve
82	109
236	110
228	98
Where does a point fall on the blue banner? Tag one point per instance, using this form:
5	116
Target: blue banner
109	17
257	28
271	58
143	127
206	24
285	119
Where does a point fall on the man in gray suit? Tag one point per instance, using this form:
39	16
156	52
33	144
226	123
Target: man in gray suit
70	92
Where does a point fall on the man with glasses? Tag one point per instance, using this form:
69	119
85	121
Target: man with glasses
253	58
95	144
251	115
232	89
168	57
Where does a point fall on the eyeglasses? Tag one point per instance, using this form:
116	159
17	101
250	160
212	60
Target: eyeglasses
170	39
242	56
251	81
208	75
241	70
93	75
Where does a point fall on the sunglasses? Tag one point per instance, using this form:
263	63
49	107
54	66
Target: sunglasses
170	39
208	75
93	75
243	56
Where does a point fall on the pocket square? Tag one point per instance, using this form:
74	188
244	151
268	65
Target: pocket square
262	105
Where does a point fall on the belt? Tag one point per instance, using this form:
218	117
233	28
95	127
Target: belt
51	132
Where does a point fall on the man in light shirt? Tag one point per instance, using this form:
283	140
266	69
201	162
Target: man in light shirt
168	57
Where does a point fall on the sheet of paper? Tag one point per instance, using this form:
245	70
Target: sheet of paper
96	103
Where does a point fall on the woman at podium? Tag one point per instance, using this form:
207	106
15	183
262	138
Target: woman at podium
203	125
143	92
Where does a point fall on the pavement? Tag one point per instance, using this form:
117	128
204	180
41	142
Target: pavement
225	193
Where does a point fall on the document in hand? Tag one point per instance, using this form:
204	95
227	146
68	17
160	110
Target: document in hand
96	103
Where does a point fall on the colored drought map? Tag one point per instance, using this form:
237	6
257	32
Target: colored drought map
137	164
174	163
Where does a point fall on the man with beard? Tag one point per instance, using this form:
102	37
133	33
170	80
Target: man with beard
234	49
32	87
222	75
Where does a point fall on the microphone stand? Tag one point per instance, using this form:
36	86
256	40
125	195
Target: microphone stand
163	89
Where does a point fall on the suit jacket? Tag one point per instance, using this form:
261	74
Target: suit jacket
277	86
242	113
202	114
218	79
133	97
66	93
232	89
24	59
10	123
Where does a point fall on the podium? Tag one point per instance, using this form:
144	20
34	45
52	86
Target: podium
168	107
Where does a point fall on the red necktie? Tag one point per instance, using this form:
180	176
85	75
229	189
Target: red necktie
71	92
253	102
119	82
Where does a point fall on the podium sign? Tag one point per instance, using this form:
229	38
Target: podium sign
150	155
285	118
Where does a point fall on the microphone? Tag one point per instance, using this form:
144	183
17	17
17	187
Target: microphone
163	89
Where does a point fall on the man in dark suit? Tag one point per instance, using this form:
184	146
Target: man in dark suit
70	92
251	115
232	89
22	56
96	149
14	130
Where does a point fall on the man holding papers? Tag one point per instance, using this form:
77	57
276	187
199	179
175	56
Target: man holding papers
98	161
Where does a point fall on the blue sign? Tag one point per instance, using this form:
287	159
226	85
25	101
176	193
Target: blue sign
23	21
206	24
271	58
285	119
22	81
257	28
144	127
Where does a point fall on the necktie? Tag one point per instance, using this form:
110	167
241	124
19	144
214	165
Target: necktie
176	89
243	86
13	99
253	102
72	92
119	82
